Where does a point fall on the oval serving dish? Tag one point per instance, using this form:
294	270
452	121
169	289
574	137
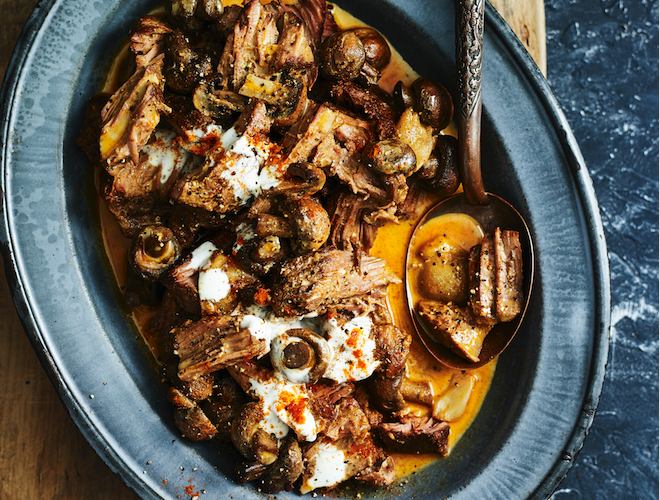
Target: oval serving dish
547	384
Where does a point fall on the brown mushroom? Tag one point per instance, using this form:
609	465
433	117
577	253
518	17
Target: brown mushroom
391	393
441	174
310	221
342	56
300	355
182	9
433	102
286	469
153	252
251	441
194	424
301	178
210	9
212	100
403	97
249	471
391	156
284	95
386	392
376	48
187	67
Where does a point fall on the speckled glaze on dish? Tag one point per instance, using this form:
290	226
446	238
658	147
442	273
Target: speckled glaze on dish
547	384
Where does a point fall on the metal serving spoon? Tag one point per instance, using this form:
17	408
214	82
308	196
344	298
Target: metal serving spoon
488	209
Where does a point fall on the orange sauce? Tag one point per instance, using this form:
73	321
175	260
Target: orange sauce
391	245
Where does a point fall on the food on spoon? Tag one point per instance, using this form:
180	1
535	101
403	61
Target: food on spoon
253	156
466	294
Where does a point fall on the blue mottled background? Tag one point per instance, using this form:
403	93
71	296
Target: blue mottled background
603	69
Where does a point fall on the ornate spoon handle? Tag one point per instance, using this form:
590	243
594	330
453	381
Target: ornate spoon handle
469	56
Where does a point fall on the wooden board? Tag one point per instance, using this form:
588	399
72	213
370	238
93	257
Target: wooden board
42	453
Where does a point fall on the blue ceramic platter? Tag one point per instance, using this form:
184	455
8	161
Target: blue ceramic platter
547	383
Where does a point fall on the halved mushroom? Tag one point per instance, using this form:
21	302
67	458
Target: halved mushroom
284	94
194	424
153	252
300	355
301	178
342	56
250	440
210	98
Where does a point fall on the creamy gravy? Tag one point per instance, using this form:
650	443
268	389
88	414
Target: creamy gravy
390	245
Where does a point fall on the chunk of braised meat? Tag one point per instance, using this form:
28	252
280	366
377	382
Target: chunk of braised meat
324	397
392	348
197	389
210	187
348	419
294	49
197	133
136	197
88	139
313	13
413	205
381	473
359	454
194	424
131	115
188	222
312	283
481	272
181	282
349	229
167	316
246	369
254	119
455	327
213	343
373	303
148	40
249	45
416	435
361	395
302	138
372	102
508	277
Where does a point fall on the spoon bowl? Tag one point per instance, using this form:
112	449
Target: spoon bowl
500	213
488	209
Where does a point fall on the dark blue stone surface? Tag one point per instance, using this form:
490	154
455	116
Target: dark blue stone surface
603	69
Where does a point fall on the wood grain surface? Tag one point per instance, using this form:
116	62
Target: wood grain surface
42	453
